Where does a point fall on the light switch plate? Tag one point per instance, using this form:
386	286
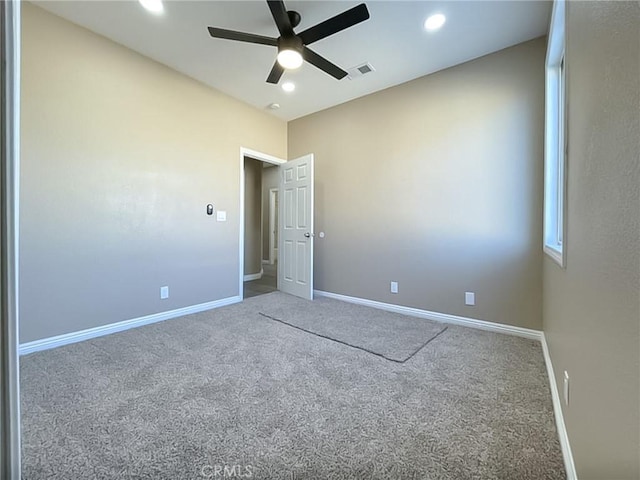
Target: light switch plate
469	298
221	216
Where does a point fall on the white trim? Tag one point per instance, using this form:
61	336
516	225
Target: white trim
254	276
555	254
73	337
556	41
438	317
265	262
555	142
557	408
263	157
9	212
273	247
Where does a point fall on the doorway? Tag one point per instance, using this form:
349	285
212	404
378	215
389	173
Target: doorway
259	212
294	258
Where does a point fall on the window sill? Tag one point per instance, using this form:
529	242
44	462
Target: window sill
556	254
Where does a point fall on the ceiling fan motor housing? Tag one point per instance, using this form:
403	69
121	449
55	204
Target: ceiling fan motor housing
290	43
294	18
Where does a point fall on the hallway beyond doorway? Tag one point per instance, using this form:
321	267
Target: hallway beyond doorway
266	284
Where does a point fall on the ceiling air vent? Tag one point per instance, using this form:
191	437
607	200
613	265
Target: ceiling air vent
360	70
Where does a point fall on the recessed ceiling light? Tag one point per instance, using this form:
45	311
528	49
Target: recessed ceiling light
434	22
274	106
154	6
288	86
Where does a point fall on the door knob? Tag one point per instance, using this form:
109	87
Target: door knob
308	235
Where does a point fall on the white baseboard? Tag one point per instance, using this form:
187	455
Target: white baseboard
254	276
67	338
563	436
266	262
438	317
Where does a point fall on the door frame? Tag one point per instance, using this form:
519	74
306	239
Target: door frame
262	157
272	223
9	210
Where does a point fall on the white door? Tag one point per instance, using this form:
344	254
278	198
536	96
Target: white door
295	245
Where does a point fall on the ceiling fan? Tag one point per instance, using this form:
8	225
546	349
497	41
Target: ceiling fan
292	47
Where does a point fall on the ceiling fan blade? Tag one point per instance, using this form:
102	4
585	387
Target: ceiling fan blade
323	64
241	36
281	17
340	22
276	73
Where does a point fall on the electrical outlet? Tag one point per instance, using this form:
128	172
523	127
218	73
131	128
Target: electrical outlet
566	388
164	292
394	287
469	298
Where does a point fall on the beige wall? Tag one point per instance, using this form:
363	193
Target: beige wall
436	184
270	179
120	156
591	308
252	216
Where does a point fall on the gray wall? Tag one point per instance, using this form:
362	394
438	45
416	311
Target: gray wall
436	184
120	156
270	179
252	216
591	308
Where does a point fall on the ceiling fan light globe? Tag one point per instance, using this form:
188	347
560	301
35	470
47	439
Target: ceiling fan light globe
289	59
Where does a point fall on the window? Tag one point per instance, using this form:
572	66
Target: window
555	127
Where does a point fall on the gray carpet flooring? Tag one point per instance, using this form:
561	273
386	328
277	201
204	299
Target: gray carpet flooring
389	335
231	392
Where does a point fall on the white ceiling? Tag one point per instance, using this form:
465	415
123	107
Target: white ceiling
393	40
